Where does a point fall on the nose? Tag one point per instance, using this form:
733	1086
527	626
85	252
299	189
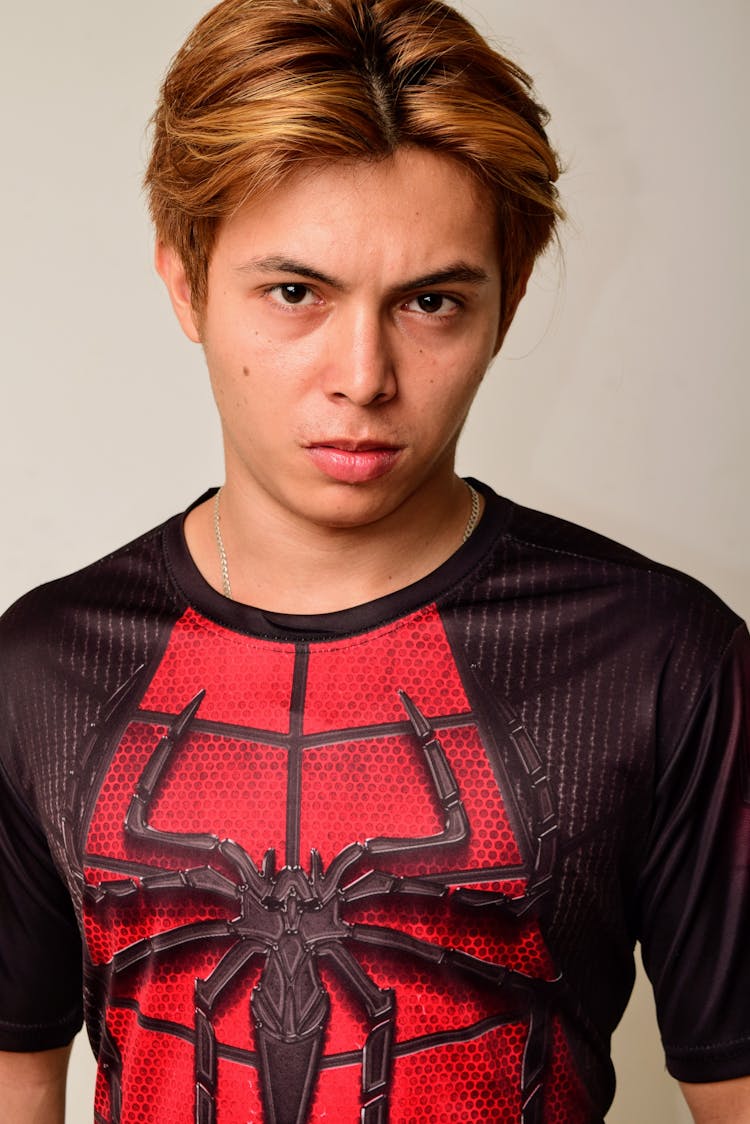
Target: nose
362	366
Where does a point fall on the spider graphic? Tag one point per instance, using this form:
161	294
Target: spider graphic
292	920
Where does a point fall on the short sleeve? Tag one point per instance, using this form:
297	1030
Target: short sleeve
40	945
695	889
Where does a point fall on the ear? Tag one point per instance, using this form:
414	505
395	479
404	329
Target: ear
510	311
170	268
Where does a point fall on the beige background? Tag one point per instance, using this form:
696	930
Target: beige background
621	398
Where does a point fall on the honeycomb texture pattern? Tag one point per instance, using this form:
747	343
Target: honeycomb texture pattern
567	1101
464	1081
387	784
293	749
247	682
410	655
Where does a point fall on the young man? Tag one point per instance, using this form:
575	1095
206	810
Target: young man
358	781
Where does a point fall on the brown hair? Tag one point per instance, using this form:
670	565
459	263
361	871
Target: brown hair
262	87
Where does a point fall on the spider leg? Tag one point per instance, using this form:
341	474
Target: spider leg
173	938
544	817
376	882
535	1054
456	823
203	878
517	907
104	732
380	1005
110	1064
137	816
382	937
327	884
536	1050
206	993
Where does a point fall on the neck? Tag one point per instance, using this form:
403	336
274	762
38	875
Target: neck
283	564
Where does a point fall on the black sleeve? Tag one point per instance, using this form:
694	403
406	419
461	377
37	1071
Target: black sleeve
695	890
40	945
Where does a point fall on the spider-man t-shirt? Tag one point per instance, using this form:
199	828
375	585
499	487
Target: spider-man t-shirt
384	865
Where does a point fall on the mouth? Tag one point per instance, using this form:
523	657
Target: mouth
353	462
347	445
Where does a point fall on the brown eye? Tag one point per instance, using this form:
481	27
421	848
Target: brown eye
430	302
434	304
293	293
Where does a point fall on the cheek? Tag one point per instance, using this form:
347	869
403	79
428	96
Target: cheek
461	380
256	358
234	388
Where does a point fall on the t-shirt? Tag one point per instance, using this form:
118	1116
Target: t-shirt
384	864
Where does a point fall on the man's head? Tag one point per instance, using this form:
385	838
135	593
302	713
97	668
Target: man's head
263	88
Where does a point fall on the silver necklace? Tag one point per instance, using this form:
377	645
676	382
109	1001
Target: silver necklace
473	514
226	587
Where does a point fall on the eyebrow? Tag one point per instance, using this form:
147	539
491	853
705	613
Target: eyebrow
457	272
278	264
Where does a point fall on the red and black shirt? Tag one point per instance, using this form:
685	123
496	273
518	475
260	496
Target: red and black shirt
386	864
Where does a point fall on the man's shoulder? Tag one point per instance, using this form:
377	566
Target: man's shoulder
588	593
558	535
562	605
124	581
586	559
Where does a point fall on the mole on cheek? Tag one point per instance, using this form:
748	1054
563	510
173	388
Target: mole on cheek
245	371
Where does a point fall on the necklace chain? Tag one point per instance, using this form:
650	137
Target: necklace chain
226	587
473	514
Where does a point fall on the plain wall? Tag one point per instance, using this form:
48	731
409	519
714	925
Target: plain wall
620	399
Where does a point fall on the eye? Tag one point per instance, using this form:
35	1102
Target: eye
433	304
292	292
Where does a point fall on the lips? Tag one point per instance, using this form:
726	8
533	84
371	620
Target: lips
353	462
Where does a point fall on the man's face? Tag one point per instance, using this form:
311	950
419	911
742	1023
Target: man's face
350	317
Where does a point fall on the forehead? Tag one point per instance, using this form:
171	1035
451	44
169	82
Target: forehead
406	211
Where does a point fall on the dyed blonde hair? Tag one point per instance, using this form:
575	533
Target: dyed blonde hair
262	88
